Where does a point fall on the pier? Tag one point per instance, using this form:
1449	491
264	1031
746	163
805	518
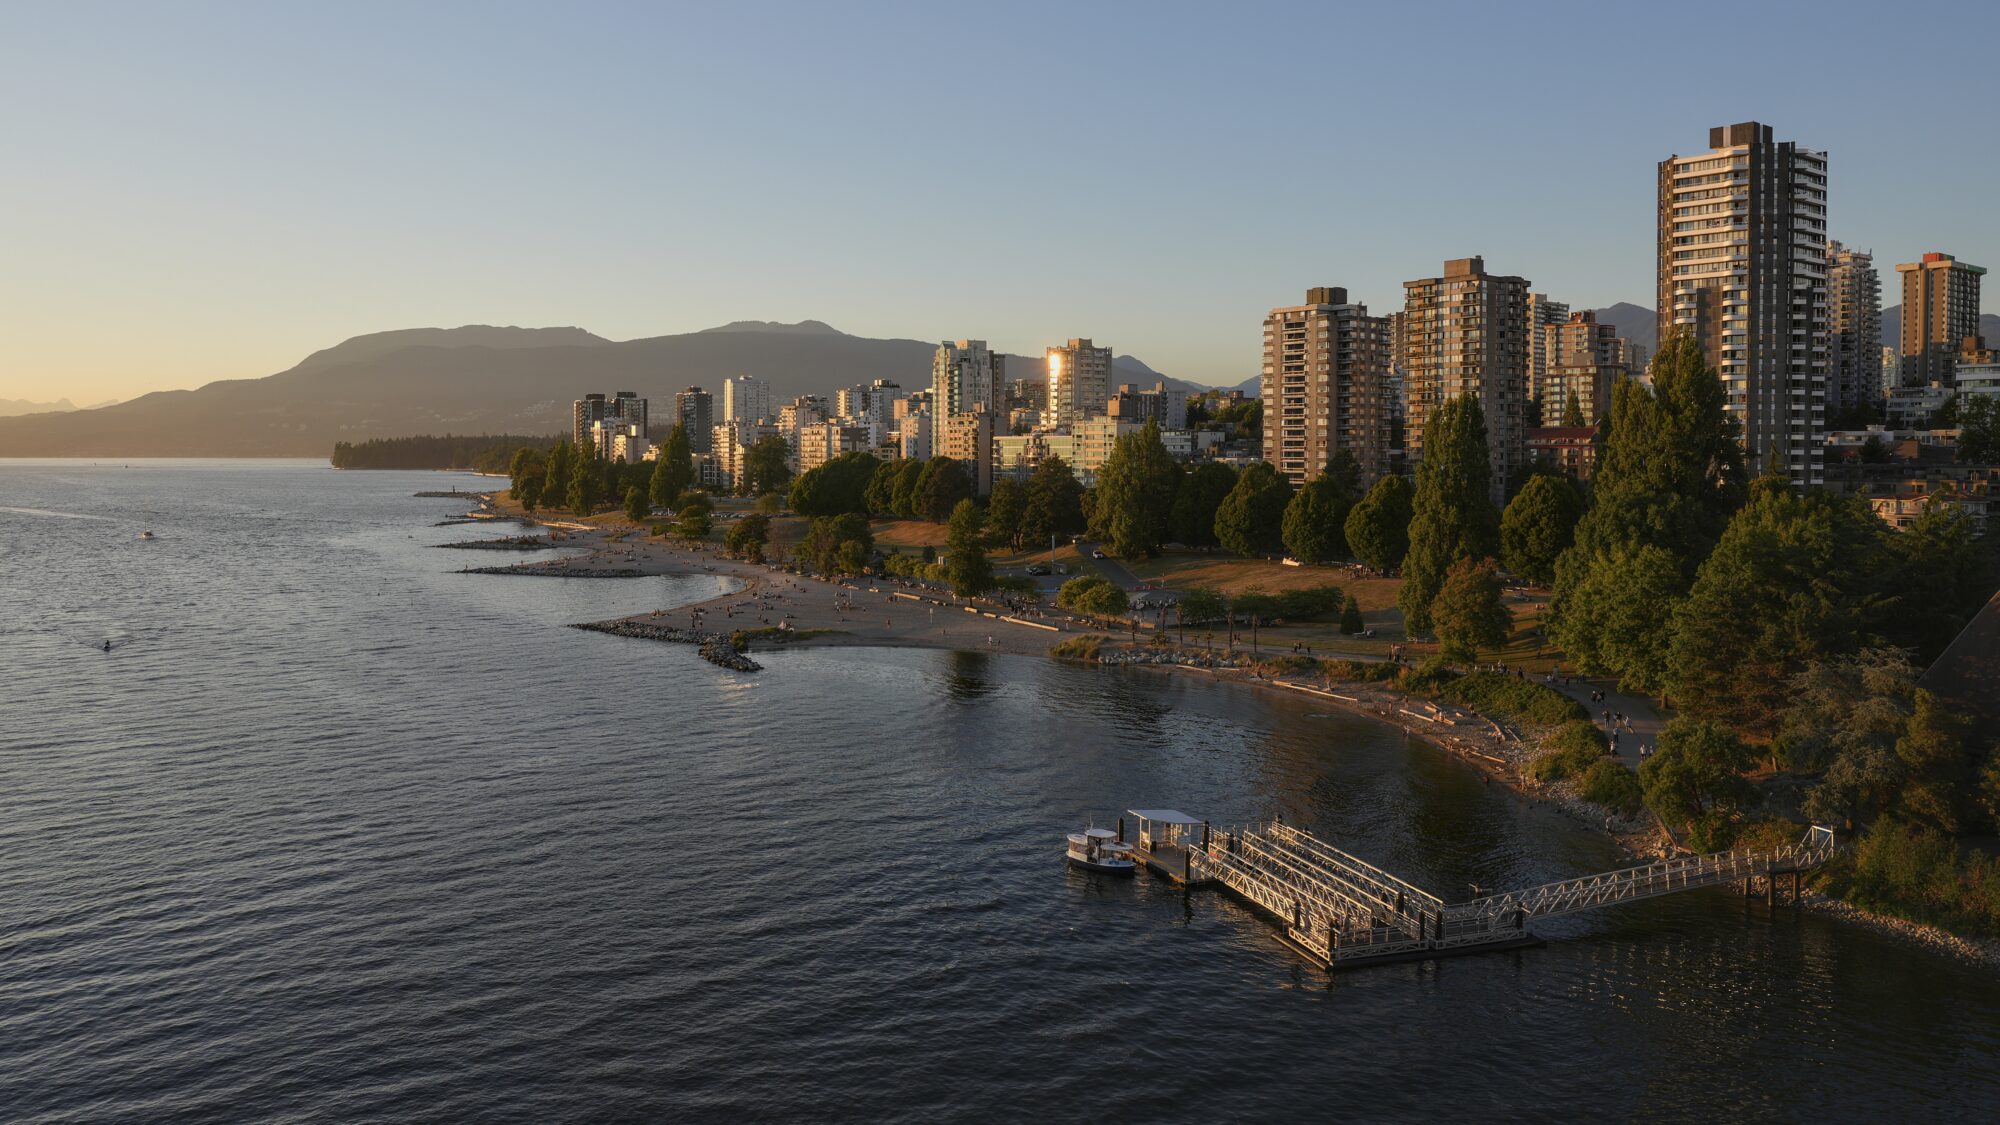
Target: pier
1341	912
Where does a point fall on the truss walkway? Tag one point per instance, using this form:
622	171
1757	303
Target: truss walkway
1342	911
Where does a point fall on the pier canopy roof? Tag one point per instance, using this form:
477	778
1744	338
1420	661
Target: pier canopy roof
1164	816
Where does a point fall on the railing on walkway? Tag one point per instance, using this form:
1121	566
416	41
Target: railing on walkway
1342	909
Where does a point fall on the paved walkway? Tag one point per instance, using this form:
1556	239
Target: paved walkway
1645	722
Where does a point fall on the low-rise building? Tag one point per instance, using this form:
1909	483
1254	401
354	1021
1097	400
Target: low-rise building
1166	408
1572	449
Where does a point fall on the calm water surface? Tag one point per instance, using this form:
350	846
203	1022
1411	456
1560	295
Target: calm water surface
339	834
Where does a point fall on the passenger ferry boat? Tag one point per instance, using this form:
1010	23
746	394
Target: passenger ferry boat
1100	849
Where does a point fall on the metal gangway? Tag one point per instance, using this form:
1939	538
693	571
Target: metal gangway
1341	910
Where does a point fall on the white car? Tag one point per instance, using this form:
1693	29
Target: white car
1097	553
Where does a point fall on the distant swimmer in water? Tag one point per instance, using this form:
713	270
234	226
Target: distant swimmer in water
107	646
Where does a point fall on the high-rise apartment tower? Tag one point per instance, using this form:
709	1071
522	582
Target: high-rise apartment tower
1466	333
1325	385
1742	265
1940	309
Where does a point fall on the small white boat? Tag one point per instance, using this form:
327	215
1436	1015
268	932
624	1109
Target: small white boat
146	535
1100	849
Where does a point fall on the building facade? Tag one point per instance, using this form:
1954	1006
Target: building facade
968	437
1940	309
1165	407
966	378
1466	333
1585	359
745	398
1079	382
1542	313
1325	385
1853	330
586	413
868	403
1742	265
694	409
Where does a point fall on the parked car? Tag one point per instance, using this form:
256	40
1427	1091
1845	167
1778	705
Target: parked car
1038	569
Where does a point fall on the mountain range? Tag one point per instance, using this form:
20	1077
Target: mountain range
479	379
9	407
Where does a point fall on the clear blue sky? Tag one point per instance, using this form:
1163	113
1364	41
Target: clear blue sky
197	191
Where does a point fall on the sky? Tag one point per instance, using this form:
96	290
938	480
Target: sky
198	191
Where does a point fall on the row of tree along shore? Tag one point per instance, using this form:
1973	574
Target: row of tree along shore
1783	628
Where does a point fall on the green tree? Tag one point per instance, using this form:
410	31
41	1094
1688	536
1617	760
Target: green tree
945	482
1626	605
1695	773
965	546
1251	521
1203	603
1452	514
881	494
1669	474
1790	582
1573	412
767	466
1315	521
694	521
1135	493
748	536
673	471
1378	529
1467	613
1979	429
1350	617
585	480
1092	596
1538	526
1191	520
1004	507
837	544
555	478
1940	574
769	504
1054	507
835	488
1939	771
636	507
906	495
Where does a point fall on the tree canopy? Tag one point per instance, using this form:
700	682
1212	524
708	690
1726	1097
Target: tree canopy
836	488
1378	528
966	563
1191	521
767	466
1054	504
1135	493
1467	614
1451	509
1251	520
1538	526
1791	581
673	472
1315	521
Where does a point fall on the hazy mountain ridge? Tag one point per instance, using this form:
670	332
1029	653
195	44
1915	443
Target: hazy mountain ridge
471	380
11	407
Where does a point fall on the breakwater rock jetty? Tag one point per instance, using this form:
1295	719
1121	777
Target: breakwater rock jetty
557	569
508	543
716	648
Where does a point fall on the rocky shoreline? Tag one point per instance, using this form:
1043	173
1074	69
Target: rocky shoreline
716	648
558	570
1983	952
508	543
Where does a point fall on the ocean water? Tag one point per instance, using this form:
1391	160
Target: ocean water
335	833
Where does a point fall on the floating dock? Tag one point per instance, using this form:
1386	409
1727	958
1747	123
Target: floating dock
1342	912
